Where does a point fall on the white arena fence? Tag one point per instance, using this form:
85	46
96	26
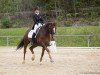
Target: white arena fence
62	40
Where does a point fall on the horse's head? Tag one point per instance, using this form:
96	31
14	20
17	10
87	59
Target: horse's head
51	27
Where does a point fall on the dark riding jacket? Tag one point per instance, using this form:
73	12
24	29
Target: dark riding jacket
37	19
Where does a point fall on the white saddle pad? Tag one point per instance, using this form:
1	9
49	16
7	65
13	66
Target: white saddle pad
30	34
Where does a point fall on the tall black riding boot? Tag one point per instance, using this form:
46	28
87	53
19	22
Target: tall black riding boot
33	37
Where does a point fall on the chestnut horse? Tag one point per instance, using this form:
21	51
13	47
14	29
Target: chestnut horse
42	39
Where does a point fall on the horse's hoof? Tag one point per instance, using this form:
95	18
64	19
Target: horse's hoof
23	62
40	63
33	59
51	61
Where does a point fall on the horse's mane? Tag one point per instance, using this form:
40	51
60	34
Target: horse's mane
48	23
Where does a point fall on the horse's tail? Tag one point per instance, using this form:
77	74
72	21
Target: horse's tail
21	44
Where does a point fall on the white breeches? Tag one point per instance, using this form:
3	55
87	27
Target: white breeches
36	27
34	31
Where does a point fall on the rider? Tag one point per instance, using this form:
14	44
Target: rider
38	22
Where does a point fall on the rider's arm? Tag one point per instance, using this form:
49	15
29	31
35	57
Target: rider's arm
35	19
41	19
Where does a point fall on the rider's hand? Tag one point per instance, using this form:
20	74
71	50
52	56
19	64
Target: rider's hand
43	24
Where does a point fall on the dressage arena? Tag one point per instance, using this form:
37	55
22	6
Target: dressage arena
67	61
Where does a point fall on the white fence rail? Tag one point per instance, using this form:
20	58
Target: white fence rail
87	36
8	37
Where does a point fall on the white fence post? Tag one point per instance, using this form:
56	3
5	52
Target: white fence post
7	41
88	41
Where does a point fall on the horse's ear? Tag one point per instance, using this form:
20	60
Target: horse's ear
47	25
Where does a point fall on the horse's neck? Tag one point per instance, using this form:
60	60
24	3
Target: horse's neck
46	32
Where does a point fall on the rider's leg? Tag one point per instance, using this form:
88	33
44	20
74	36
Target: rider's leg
35	28
33	37
34	33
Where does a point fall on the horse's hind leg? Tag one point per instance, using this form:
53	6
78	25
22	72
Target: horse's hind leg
31	49
24	54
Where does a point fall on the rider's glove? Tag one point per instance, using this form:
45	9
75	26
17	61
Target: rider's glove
43	24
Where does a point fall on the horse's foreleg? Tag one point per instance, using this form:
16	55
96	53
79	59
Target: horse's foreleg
31	49
51	60
24	54
42	54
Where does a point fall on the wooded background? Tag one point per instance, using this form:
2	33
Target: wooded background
18	13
